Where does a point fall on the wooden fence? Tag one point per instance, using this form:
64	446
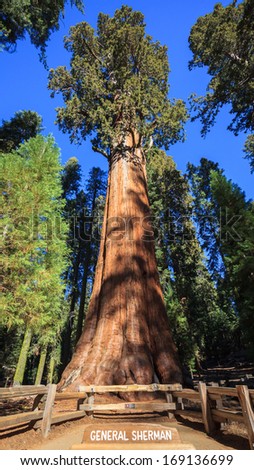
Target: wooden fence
215	407
139	406
214	404
41	416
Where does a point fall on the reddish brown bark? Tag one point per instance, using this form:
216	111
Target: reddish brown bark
126	337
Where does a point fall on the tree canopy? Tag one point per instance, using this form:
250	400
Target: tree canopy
237	245
224	219
84	207
118	83
192	298
223	41
34	245
21	127
34	252
249	150
36	18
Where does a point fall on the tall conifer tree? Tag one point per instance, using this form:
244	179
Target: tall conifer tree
117	90
34	248
192	300
224	219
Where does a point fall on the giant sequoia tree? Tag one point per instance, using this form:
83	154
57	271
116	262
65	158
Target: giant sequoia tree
116	91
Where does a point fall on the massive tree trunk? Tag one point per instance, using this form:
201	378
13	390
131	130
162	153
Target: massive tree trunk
126	337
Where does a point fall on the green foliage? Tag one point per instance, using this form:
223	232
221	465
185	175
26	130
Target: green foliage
34	246
223	41
237	244
10	346
20	128
249	150
180	327
208	219
83	211
37	18
225	224
206	214
193	305
118	83
71	178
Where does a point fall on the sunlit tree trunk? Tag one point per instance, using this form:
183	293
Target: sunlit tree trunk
21	366
51	370
41	366
126	338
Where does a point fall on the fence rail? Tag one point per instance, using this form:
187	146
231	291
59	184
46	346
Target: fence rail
45	397
213	409
22	391
130	388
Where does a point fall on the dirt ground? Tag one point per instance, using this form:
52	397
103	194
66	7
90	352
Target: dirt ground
63	436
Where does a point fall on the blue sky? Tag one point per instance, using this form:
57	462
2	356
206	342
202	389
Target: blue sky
23	84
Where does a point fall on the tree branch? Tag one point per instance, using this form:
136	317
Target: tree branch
237	58
92	52
102	152
153	124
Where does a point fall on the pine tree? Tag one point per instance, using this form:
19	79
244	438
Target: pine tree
81	211
96	186
206	214
237	244
34	247
23	126
74	207
190	293
228	238
117	88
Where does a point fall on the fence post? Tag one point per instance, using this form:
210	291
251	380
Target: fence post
169	399
47	414
248	414
91	402
209	423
